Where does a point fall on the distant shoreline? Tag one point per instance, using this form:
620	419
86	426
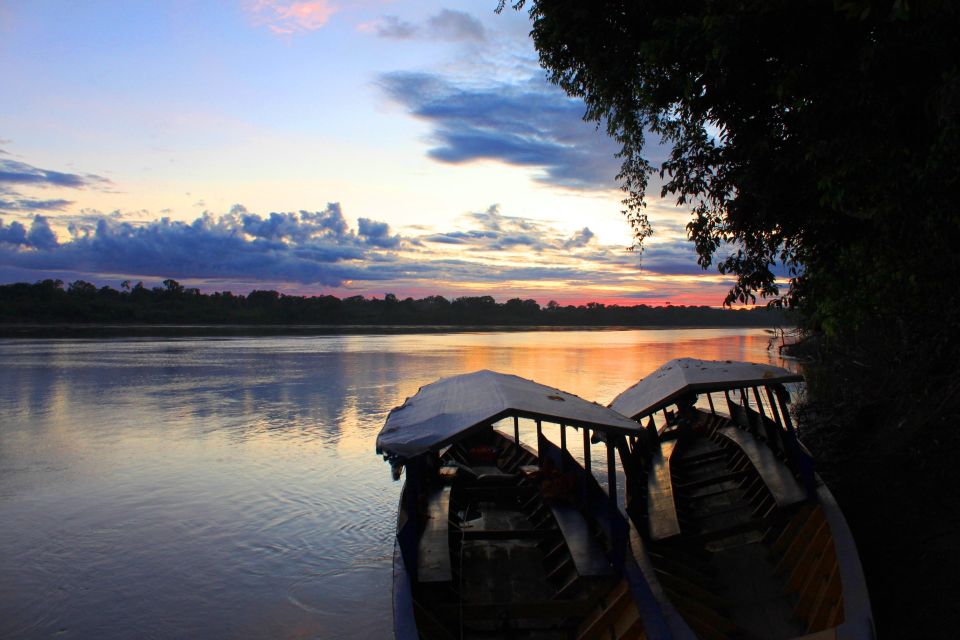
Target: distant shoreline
77	330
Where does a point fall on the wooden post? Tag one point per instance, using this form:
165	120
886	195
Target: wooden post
773	407
782	396
516	430
611	471
539	435
769	430
710	400
756	395
586	449
652	430
801	460
563	446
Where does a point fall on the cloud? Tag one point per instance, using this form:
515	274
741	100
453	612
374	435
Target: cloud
14	233
19	203
580	239
529	124
455	25
289	17
449	24
20	174
13	172
40	236
391	27
482	251
492	231
304	247
376	233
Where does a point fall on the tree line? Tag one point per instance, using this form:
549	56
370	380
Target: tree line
49	301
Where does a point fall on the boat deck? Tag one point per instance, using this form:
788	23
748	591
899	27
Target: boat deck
718	569
518	566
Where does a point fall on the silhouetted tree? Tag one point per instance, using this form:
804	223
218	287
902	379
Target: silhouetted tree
821	135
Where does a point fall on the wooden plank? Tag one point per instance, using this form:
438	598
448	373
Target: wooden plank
776	475
588	555
433	553
661	506
618	601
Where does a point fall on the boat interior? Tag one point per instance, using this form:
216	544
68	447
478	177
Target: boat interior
730	523
510	549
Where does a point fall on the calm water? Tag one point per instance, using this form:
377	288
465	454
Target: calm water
229	488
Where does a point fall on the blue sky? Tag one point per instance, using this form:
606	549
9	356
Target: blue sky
313	147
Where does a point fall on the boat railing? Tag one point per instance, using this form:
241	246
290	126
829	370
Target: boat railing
761	410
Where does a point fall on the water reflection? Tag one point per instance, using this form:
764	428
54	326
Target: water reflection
228	488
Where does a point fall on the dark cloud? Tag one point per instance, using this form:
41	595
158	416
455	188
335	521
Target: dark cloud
447	25
580	239
320	248
14	233
306	247
39	236
455	25
297	227
376	233
395	28
18	203
531	124
21	173
495	231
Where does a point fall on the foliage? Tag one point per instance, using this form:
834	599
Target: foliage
83	302
818	135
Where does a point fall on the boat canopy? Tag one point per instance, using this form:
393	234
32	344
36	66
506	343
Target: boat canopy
450	408
689	375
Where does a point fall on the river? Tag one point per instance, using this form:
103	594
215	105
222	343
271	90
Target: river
229	488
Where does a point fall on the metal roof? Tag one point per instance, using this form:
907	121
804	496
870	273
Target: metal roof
684	375
450	408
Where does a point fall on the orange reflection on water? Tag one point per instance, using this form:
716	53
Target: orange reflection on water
597	364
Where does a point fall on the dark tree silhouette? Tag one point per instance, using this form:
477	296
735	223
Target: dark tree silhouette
820	135
82	302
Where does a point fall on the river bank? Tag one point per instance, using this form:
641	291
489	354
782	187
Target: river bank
93	330
885	440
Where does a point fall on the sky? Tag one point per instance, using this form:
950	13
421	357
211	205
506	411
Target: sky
314	147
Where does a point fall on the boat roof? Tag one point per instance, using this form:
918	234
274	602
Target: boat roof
451	408
685	375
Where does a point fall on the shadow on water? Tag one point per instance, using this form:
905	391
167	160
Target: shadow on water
229	488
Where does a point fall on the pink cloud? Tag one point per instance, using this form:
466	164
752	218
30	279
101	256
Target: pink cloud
287	17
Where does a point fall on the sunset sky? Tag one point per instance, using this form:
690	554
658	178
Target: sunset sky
323	146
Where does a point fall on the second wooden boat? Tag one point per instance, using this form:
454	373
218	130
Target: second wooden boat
735	534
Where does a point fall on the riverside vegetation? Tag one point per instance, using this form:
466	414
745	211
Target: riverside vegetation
49	301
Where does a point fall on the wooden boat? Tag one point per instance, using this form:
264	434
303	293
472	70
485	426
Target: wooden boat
495	539
735	534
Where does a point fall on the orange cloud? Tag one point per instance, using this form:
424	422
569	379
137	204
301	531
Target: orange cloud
286	17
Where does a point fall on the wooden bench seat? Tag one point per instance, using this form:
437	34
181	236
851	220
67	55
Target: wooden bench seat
774	473
588	555
661	506
433	553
